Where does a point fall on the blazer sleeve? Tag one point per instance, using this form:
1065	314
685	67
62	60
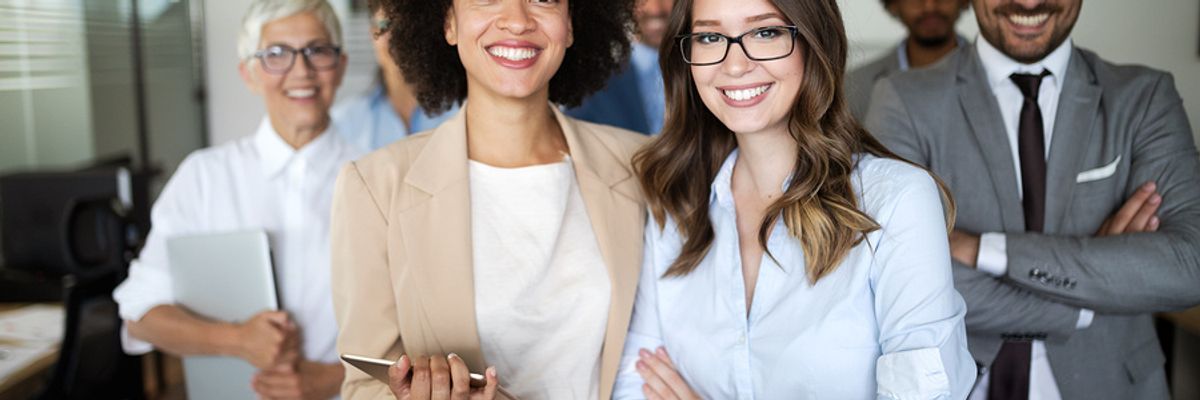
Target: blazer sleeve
890	121
1132	273
990	301
363	299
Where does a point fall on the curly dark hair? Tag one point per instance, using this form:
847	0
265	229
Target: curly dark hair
601	29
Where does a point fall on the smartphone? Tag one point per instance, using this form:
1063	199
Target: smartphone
378	369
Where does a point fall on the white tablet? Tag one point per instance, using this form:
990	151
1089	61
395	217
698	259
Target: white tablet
226	277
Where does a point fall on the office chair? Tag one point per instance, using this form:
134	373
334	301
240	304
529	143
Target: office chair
91	363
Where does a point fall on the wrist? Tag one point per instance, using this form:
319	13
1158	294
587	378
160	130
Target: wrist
229	341
334	374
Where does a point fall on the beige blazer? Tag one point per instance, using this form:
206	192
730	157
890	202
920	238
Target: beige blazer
401	236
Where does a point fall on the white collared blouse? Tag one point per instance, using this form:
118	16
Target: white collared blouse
887	323
256	182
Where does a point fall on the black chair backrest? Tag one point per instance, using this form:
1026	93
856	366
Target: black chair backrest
91	363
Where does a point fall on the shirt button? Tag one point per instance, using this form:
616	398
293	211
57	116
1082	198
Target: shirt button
742	339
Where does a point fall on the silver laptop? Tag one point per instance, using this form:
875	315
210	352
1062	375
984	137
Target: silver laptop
226	277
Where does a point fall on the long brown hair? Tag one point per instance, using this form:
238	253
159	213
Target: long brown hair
819	206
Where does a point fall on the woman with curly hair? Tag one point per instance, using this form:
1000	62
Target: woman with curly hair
507	240
789	255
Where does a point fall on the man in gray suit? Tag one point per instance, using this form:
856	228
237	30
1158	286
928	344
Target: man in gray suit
931	36
1078	188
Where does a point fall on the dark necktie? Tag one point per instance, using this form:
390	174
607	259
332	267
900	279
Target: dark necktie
1010	370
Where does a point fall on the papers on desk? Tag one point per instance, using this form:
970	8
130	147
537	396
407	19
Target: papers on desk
28	335
38	322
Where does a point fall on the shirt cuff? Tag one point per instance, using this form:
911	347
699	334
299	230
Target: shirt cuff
1085	319
133	346
993	254
912	374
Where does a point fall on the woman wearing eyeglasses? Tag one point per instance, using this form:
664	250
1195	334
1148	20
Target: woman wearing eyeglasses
507	241
789	254
279	180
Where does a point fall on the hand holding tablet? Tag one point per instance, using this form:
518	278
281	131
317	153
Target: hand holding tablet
478	383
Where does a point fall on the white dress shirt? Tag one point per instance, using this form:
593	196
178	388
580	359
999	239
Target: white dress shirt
887	323
257	182
542	290
993	258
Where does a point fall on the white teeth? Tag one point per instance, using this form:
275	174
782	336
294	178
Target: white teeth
1028	20
301	93
746	94
512	53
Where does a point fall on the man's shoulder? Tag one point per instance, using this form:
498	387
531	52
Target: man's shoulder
1119	78
936	77
878	68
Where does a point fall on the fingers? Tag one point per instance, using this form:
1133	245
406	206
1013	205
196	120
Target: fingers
493	383
277	385
439	373
398	379
674	380
1124	216
460	377
655	384
1141	220
660	362
420	381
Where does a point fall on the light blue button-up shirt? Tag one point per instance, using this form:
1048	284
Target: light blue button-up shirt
887	323
369	122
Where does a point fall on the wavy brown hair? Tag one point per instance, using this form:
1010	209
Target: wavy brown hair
819	206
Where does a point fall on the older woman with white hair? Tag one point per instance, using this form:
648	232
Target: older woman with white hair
280	179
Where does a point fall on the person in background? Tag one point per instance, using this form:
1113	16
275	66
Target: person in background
506	241
388	110
931	36
633	98
280	179
789	254
1079	190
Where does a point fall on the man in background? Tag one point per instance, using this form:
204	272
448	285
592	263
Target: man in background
388	110
931	36
633	98
1078	190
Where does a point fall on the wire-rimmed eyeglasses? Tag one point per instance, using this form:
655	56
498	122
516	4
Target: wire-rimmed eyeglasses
280	58
759	44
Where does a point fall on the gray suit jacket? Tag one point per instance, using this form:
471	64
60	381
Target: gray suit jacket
1125	124
861	80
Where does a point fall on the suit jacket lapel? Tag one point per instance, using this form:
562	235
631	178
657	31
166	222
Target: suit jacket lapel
609	193
982	112
435	225
1078	105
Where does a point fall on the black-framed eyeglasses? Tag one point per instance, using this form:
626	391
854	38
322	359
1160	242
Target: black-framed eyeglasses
280	58
759	44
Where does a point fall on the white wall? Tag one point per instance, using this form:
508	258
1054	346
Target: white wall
1163	34
233	111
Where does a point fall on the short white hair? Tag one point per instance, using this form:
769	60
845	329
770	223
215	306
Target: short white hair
262	12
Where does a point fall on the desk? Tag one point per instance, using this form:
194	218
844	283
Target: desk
30	335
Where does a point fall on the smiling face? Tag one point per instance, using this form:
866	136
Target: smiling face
298	99
510	48
746	95
1026	30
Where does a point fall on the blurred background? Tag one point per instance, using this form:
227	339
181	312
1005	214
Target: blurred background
107	97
